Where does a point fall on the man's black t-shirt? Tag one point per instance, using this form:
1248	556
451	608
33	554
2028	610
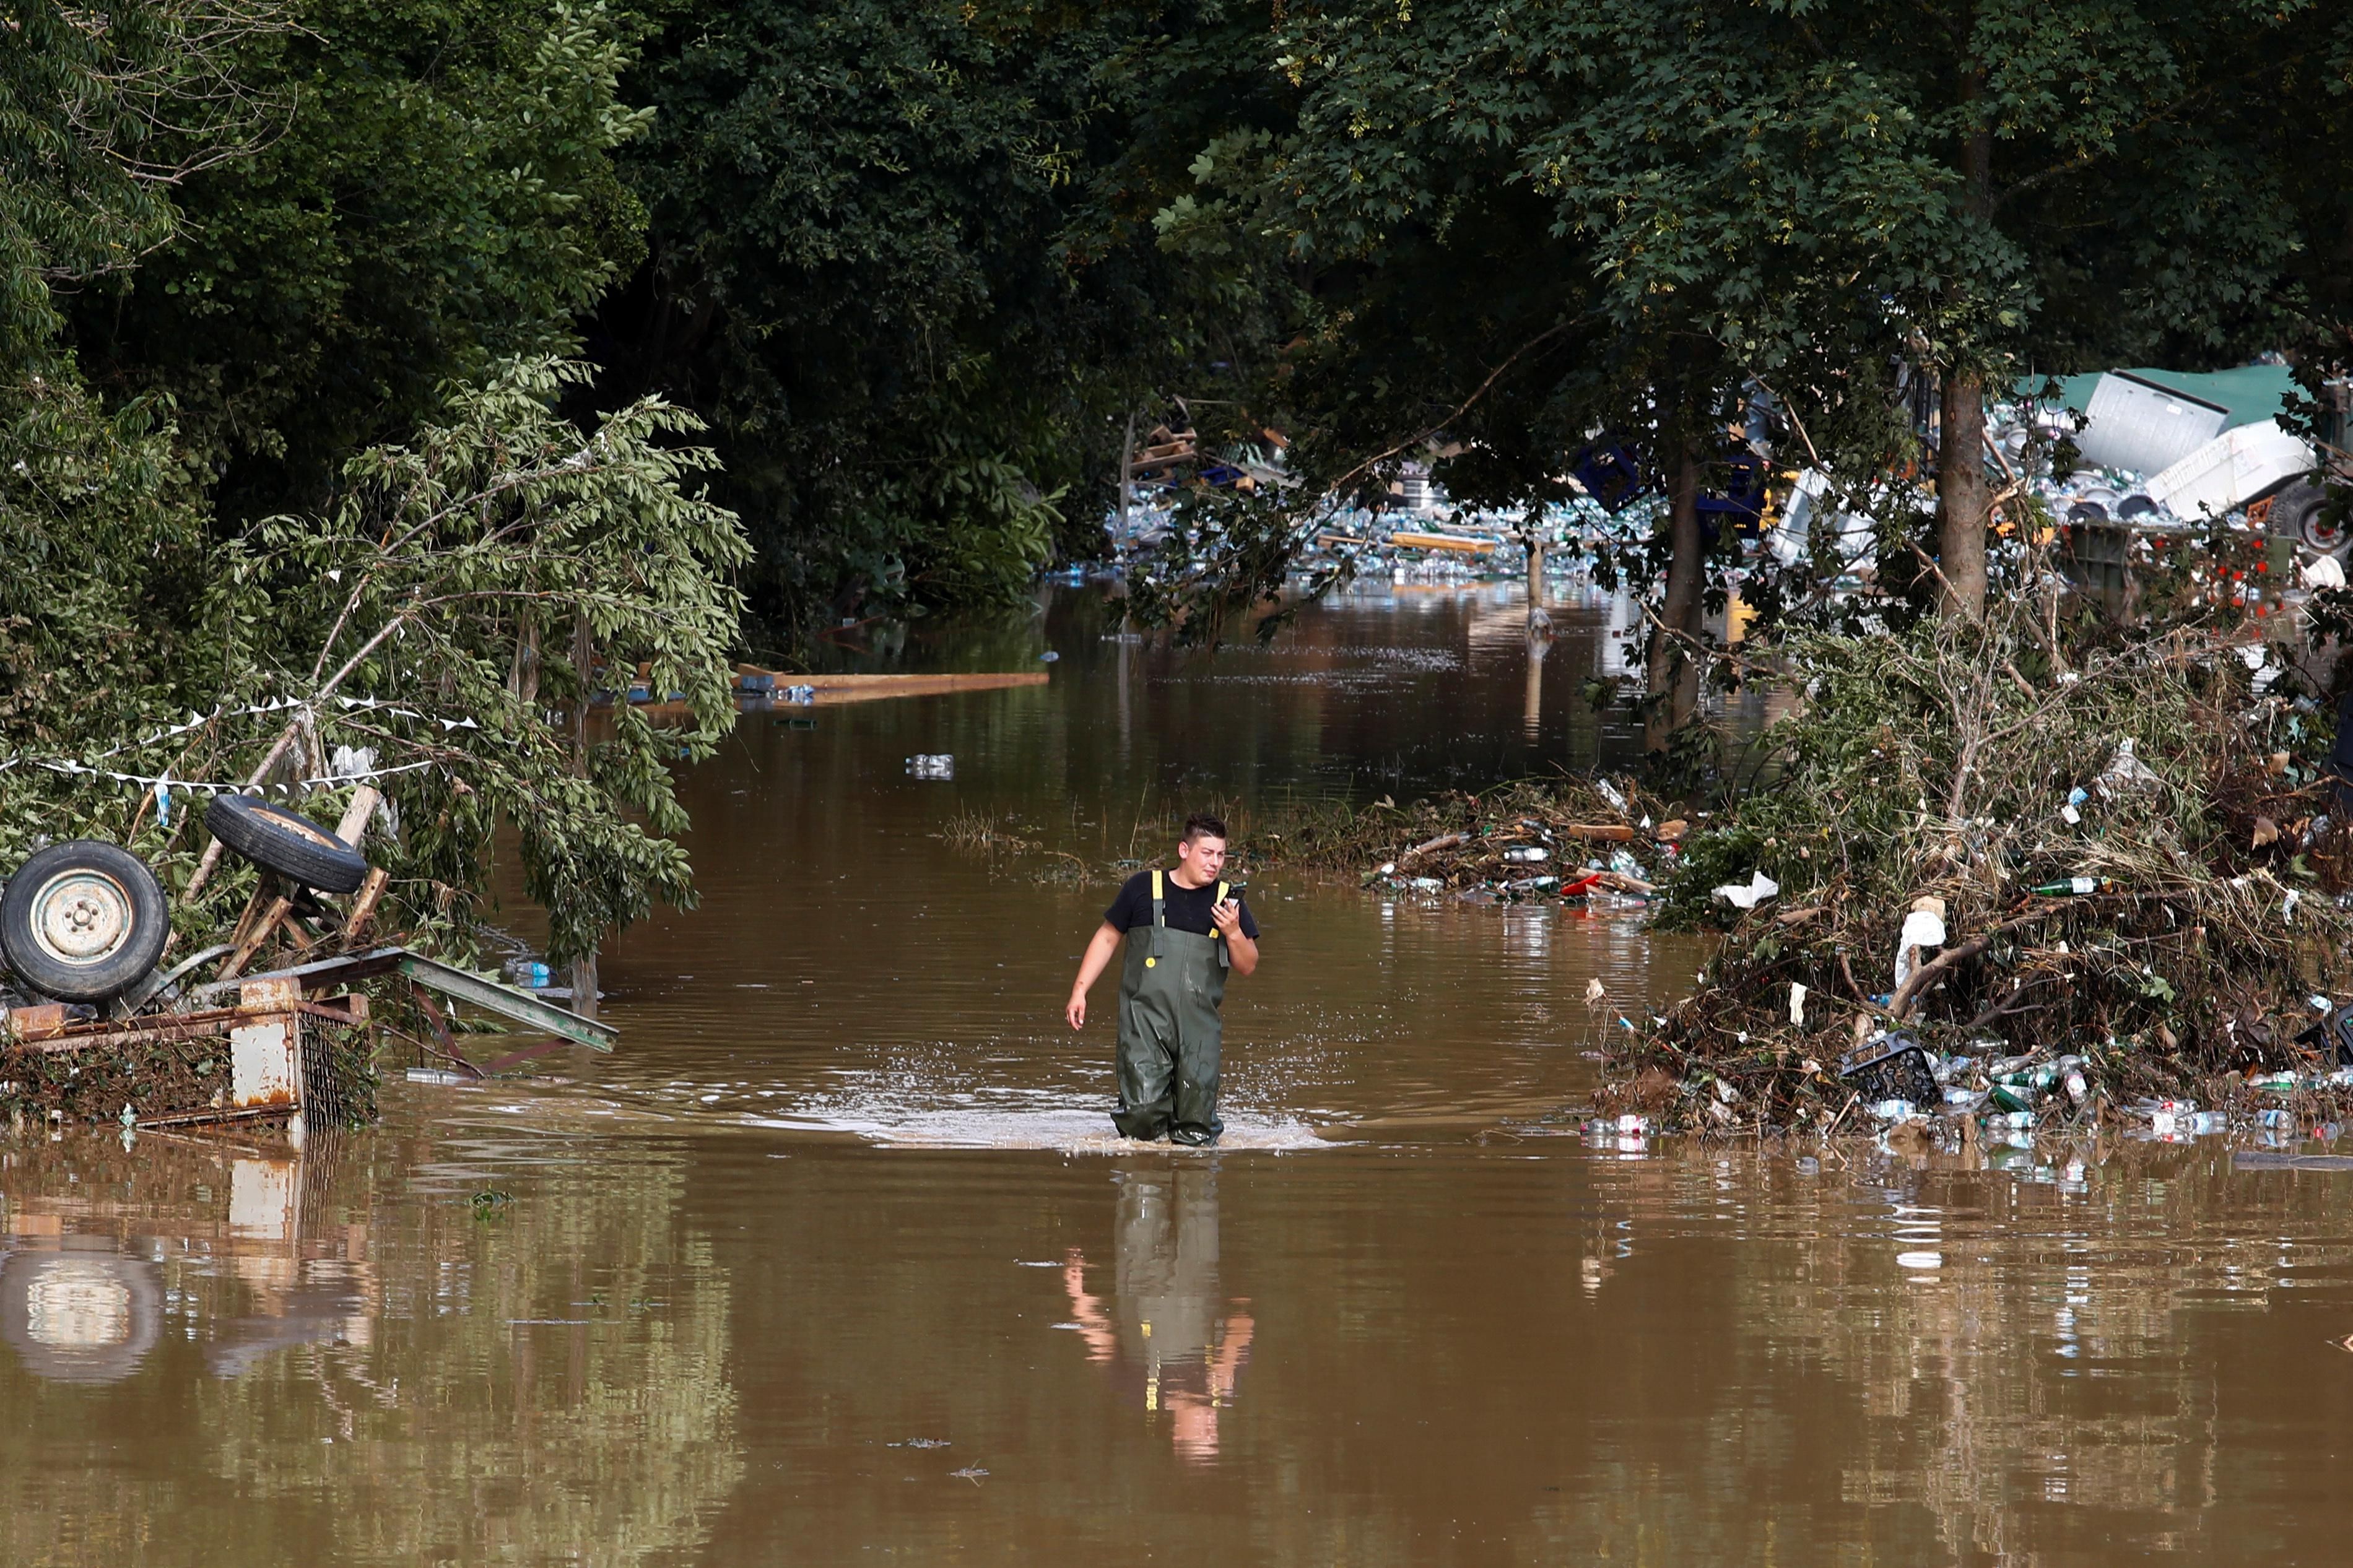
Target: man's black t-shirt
1188	909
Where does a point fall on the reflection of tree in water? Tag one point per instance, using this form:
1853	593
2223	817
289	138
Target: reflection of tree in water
2046	1371
352	1370
1168	1334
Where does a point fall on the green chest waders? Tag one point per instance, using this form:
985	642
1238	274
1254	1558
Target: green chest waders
1169	1030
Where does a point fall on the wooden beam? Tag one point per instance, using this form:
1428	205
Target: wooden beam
363	902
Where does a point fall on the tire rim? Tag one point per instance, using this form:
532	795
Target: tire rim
82	917
296	824
2320	534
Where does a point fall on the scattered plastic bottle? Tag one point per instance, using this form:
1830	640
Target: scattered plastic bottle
2072	888
2205	1123
1527	853
1892	1110
2277	1116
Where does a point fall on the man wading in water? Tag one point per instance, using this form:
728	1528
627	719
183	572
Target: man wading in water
1190	934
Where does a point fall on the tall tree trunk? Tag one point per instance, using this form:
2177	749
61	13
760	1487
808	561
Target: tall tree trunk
1673	672
1960	442
1126	476
584	653
1961	497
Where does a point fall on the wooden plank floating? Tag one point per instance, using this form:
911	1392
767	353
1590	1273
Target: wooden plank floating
834	690
1469	545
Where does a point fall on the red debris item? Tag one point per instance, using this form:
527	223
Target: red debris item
1584	884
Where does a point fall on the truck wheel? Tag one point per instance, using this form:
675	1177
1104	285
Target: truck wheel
286	842
2301	512
83	921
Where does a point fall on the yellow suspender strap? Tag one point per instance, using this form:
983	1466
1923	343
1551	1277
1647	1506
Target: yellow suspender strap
1160	911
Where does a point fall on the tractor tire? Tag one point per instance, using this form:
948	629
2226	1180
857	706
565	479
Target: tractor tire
83	921
2301	512
286	842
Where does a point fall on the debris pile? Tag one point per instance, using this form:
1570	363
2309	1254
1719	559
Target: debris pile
92	1030
1526	842
2016	876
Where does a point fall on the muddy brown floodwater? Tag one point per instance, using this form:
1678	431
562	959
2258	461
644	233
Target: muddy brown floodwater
834	1261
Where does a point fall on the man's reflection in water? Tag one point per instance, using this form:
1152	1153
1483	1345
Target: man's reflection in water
1167	1332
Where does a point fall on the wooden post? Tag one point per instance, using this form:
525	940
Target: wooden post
1127	475
583	968
274	911
1539	618
363	905
364	800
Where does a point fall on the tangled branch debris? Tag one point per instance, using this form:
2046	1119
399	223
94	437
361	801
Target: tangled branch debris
1528	841
2111	865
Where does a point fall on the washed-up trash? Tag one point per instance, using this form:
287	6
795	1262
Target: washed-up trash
2325	572
1048	656
2124	774
1612	793
2013	1096
1759	889
932	765
1892	1110
1425	884
1526	854
441	1076
1891	1067
1622	861
2071	888
804	696
1924	928
1797	1003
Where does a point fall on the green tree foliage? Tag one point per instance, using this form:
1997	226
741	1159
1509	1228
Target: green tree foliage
1530	221
101	111
438	194
450	616
448	587
900	260
496	564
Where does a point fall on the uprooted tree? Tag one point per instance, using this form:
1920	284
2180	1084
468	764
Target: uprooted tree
442	632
